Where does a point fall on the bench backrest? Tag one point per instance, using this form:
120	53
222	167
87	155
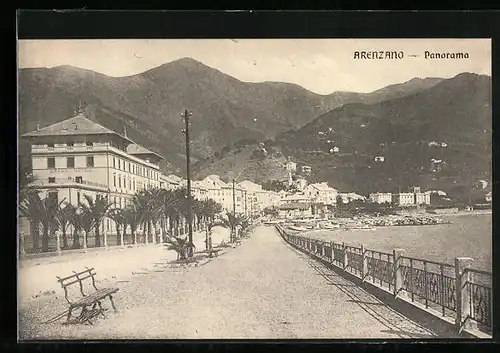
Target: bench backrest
77	277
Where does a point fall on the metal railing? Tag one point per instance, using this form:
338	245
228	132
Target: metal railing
454	291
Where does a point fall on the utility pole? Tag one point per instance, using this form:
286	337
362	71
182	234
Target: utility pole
186	116
246	212
234	200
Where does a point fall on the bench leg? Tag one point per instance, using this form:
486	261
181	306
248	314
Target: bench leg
68	318
112	303
101	309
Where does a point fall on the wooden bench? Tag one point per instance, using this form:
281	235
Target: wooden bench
87	300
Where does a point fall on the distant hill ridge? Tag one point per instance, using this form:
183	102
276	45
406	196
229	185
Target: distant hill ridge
225	109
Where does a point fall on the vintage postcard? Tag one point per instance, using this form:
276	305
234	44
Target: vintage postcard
255	189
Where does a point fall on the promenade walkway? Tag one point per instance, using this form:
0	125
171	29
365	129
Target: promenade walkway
262	289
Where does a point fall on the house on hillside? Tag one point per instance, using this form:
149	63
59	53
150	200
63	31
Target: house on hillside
321	193
351	196
295	210
381	197
300	184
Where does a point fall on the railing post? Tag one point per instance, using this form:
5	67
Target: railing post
58	243
462	278
344	254
364	263
332	247
398	273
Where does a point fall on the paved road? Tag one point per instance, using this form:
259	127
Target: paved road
262	289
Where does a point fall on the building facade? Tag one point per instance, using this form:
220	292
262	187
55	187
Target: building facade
321	193
78	157
381	197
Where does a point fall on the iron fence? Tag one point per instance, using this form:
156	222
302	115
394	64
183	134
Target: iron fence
464	294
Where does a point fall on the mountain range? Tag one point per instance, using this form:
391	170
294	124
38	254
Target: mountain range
227	111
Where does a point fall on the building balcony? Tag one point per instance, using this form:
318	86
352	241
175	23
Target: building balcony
68	182
83	148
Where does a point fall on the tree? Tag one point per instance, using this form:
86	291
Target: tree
133	216
179	245
31	209
63	219
118	216
272	211
97	209
231	221
41	212
76	221
86	218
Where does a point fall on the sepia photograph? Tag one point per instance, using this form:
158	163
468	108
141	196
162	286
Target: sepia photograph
254	189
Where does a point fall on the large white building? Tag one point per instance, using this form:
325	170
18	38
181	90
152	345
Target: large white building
321	193
78	157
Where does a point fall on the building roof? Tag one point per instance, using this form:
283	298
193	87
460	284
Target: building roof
78	125
322	187
295	206
170	179
296	197
213	180
250	186
135	149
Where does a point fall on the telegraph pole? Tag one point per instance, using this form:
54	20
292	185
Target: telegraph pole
186	116
246	212
234	200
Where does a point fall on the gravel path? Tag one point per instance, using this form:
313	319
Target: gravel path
261	289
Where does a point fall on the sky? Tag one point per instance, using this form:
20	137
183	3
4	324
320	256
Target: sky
320	65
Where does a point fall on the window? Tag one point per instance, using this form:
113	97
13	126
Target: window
128	166
90	161
70	144
119	181
51	162
134	185
89	143
70	162
114	162
130	184
52	180
114	180
78	198
50	145
79	179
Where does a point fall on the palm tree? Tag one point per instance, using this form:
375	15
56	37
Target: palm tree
31	208
118	216
140	209
25	178
63	221
134	214
87	219
173	203
43	212
179	245
154	203
76	221
97	210
231	221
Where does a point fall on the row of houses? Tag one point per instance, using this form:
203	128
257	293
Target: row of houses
78	157
403	199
